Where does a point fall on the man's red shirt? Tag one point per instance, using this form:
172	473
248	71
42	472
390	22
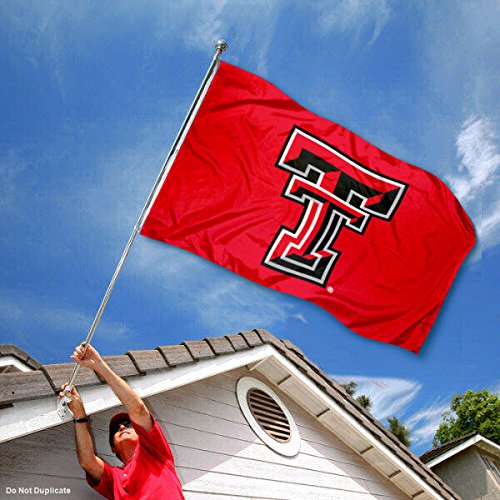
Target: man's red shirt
149	474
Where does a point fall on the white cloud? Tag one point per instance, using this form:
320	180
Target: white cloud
480	159
55	31
459	61
390	396
247	26
120	184
394	396
10	312
300	317
12	166
459	47
424	423
235	307
476	181
42	32
353	16
221	302
495	388
210	25
488	227
167	268
25	313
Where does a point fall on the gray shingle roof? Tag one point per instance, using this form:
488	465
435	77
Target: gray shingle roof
439	450
23	356
47	380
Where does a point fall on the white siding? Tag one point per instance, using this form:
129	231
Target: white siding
42	460
217	454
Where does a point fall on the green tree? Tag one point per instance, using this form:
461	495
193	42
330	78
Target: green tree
399	430
350	387
365	401
471	411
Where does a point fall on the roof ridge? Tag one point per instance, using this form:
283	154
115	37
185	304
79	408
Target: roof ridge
442	448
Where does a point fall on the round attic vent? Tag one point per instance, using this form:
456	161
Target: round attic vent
269	415
269	418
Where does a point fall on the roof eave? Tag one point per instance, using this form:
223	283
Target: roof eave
477	440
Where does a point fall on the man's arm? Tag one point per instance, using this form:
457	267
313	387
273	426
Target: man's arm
91	463
133	403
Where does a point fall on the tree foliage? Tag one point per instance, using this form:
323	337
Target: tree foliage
364	401
471	411
399	430
350	387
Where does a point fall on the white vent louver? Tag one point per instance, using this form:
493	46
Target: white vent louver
268	416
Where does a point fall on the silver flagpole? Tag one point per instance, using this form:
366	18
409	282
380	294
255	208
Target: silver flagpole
220	47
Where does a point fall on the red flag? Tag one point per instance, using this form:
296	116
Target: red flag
297	203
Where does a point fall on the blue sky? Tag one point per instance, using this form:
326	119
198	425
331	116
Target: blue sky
92	95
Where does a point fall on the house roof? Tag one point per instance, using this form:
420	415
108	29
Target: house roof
12	351
455	446
47	379
439	450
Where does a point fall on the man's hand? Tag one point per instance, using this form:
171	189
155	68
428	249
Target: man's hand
93	465
75	405
89	358
134	405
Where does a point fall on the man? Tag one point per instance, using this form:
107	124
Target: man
148	470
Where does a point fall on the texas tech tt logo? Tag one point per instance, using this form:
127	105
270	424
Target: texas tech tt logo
337	193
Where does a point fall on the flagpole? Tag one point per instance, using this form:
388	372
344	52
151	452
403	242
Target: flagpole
220	47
